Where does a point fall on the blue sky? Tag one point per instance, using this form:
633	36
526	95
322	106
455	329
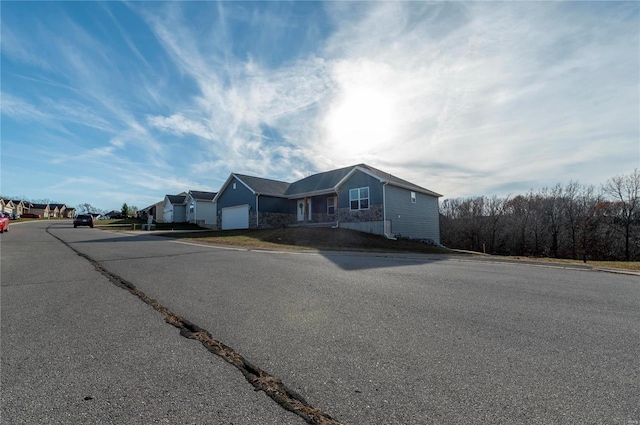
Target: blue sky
116	102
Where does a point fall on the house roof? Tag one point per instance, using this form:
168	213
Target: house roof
396	181
316	184
326	181
330	180
176	199
202	196
58	206
263	186
40	206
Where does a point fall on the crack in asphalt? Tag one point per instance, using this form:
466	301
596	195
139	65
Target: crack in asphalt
258	378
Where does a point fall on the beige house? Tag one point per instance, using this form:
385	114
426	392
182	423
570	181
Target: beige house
58	210
42	209
22	207
7	205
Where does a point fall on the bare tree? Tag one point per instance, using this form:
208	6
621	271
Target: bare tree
624	191
495	211
87	208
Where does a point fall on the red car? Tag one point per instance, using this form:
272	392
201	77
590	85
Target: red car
27	215
4	222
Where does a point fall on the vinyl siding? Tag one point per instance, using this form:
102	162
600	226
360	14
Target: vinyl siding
231	197
357	180
276	205
415	221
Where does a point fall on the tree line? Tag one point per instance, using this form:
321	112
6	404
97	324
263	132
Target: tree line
571	220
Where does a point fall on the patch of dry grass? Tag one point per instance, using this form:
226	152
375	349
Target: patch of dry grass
625	265
313	238
310	238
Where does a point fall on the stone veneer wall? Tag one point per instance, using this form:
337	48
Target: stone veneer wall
271	219
374	213
323	218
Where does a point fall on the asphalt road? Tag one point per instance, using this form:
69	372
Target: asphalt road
367	339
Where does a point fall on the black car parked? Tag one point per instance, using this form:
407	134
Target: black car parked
83	220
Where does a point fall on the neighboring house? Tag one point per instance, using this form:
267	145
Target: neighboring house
22	207
114	214
156	211
70	212
7	205
359	197
58	210
174	209
42	209
200	208
247	202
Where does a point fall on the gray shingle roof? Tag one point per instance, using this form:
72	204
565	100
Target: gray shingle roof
176	199
319	182
328	180
205	196
396	180
264	186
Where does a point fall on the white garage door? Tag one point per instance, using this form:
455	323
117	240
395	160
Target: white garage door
235	217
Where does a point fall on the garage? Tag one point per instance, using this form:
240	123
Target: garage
235	217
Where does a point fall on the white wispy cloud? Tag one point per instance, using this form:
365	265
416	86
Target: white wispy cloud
462	98
518	92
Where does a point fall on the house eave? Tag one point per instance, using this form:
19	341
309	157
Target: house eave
311	194
412	188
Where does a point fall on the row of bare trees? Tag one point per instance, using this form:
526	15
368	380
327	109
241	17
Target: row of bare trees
565	221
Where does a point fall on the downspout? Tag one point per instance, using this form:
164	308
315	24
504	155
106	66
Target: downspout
384	211
335	206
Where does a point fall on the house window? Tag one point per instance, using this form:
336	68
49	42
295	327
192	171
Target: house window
331	205
359	198
413	197
234	186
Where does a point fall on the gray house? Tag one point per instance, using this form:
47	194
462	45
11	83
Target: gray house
175	209
359	197
200	208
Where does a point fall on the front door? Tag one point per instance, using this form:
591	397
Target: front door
300	208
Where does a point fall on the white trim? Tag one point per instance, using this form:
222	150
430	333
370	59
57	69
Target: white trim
368	198
334	206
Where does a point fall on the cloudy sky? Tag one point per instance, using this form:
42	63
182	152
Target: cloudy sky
125	102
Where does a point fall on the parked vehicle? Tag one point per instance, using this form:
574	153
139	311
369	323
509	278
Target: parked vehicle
4	222
29	215
15	216
83	220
